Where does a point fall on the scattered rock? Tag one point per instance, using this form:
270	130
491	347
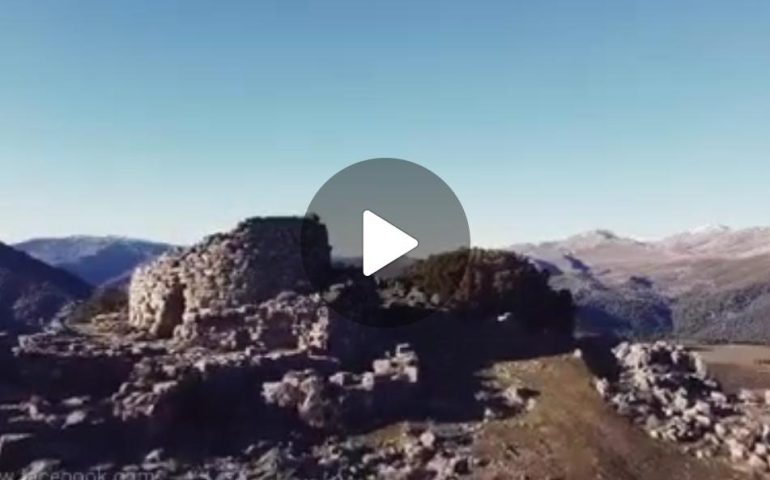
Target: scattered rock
154	456
344	397
757	463
76	417
667	389
428	439
577	353
39	469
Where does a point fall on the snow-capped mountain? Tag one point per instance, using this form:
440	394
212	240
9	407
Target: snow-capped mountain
721	241
655	287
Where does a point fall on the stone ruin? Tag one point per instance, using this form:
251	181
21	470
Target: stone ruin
224	341
667	390
288	322
237	294
325	401
255	262
227	355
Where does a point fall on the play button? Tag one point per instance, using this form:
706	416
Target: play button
384	217
384	243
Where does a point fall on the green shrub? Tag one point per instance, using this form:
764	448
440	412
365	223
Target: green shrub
485	283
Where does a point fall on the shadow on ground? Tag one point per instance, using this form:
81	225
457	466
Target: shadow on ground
226	419
597	355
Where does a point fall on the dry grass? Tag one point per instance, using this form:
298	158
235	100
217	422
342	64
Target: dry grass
571	433
738	366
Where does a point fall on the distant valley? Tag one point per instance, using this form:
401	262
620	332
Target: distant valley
31	292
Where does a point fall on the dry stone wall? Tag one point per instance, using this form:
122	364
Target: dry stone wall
289	321
254	262
347	398
666	389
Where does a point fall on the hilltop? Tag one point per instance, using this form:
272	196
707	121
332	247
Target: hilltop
225	359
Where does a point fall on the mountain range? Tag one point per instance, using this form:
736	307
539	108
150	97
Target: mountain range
31	292
99	261
711	283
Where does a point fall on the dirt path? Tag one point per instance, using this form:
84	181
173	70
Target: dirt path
738	366
572	434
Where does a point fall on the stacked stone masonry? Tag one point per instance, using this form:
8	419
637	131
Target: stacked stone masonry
254	262
343	398
667	390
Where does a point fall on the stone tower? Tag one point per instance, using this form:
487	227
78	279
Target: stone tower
256	261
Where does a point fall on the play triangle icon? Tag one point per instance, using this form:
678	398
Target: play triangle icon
383	243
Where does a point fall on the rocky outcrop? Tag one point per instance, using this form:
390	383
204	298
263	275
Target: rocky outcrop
345	398
429	453
666	389
253	263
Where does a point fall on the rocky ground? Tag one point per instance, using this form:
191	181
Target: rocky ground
532	415
667	390
255	391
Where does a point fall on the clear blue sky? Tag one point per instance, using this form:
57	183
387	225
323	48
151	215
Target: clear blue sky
172	119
